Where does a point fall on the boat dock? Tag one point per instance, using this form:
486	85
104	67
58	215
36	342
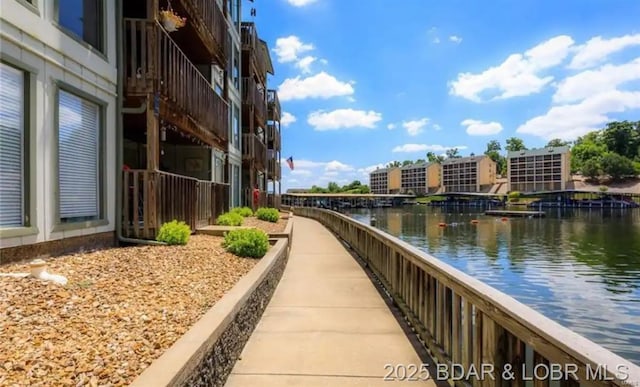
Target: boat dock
522	214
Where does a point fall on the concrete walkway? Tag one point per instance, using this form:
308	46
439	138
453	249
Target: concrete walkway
326	324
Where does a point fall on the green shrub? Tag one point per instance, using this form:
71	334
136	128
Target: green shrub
249	242
174	233
514	196
268	214
242	211
229	219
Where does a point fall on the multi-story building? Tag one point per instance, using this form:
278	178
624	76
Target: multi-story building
256	64
419	178
468	174
58	96
176	112
546	169
385	181
274	144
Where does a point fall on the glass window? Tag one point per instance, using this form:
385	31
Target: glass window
236	67
12	147
84	18
236	126
78	158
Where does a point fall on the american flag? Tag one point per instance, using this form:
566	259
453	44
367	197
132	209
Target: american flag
290	162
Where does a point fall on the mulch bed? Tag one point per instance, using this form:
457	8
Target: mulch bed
120	310
267	227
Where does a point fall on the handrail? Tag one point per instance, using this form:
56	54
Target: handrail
466	322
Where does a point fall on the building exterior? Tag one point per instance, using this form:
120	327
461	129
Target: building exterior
468	174
58	92
274	149
234	97
378	181
546	169
419	179
394	181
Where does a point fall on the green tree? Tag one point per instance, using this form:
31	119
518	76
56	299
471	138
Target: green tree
617	166
433	158
420	161
587	147
591	169
453	153
515	144
407	162
393	164
556	142
622	138
493	151
333	187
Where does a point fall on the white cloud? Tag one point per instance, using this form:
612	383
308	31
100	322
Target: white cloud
415	127
288	49
304	64
300	3
597	49
337	166
436	40
480	128
414	148
321	85
304	164
455	39
324	61
287	119
303	172
569	121
436	127
343	118
592	82
391	126
518	75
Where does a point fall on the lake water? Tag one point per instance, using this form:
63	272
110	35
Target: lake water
579	267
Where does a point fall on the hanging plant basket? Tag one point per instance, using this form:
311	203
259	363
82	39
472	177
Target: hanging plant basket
171	21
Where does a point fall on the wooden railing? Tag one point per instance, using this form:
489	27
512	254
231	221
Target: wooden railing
273	200
273	136
273	169
155	64
214	22
254	149
467	323
273	106
151	198
250	43
252	95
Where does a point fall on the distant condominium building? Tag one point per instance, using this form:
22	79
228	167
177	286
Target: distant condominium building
468	174
546	169
419	178
385	181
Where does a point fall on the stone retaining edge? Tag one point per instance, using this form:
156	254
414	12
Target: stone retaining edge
207	352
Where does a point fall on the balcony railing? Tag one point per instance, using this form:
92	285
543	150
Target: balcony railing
213	22
273	137
156	65
250	44
254	149
273	106
151	198
273	169
253	95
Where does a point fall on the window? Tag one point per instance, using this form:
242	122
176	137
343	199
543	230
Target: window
83	18
79	171
236	126
234	11
13	173
236	186
236	67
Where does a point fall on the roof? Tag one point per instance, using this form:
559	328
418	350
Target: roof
414	166
265	51
463	159
539	151
348	195
381	170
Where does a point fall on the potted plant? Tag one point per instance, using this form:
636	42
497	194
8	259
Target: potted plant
171	21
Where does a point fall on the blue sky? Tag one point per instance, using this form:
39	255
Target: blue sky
363	83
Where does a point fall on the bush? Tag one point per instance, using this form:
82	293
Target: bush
514	196
242	211
250	242
268	214
229	219
174	233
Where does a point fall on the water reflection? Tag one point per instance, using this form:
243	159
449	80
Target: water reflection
578	267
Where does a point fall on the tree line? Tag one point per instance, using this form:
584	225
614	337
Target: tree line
612	151
355	187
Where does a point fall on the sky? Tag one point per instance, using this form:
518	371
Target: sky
364	83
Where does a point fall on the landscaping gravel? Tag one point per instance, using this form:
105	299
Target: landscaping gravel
267	227
121	309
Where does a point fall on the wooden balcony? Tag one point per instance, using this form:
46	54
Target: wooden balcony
253	97
273	106
155	65
253	57
274	171
152	198
273	137
254	150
